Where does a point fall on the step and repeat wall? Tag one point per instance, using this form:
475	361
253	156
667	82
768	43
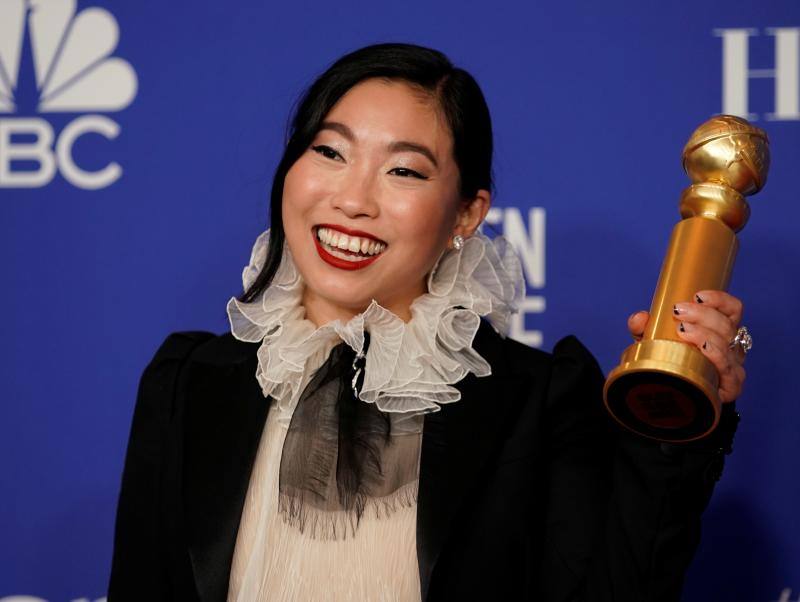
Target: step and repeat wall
137	145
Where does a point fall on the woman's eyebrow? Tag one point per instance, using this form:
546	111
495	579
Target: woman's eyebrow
403	145
395	147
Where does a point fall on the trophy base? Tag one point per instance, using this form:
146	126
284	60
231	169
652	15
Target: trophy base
664	390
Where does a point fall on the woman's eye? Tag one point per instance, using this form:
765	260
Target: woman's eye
405	172
325	151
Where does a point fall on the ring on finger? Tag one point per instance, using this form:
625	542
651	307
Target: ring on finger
742	340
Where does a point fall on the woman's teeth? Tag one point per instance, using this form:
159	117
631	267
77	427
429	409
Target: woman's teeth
333	240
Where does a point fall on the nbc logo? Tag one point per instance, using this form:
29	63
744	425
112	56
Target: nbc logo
53	60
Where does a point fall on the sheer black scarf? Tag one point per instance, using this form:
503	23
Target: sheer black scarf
342	457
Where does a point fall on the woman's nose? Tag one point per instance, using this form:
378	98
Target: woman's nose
357	195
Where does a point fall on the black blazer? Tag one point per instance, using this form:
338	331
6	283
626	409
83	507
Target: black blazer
527	490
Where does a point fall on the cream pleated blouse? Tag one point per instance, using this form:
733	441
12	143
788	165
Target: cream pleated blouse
275	561
409	367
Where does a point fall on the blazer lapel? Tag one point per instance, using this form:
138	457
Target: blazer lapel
225	417
456	442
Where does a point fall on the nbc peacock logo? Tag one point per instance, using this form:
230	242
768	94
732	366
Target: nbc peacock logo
54	60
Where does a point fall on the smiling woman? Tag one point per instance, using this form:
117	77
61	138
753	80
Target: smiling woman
367	430
380	169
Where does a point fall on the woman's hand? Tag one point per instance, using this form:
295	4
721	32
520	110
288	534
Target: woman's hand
709	322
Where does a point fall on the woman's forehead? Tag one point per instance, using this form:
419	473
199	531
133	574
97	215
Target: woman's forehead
389	109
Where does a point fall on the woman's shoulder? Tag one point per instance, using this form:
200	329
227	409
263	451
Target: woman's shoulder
190	356
197	365
568	353
204	347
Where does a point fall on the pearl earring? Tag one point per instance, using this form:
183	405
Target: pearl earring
458	242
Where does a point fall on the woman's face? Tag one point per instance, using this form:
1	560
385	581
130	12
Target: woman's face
378	177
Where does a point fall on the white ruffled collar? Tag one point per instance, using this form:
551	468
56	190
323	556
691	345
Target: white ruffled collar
409	365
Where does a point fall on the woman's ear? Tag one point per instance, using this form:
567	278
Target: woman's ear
472	212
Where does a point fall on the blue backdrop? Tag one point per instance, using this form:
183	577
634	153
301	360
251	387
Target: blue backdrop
137	144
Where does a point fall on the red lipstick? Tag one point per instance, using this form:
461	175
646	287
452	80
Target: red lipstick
343	263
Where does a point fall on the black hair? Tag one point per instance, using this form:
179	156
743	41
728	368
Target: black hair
459	99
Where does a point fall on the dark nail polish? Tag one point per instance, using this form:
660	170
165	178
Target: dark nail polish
705	344
675	310
699	300
681	327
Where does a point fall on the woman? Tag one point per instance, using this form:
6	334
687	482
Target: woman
362	434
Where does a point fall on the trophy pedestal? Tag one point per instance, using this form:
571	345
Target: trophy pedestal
664	390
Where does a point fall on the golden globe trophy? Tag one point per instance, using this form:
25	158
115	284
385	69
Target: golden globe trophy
663	387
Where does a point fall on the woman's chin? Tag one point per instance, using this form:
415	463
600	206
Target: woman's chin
341	298
330	305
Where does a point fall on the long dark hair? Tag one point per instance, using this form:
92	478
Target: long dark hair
457	93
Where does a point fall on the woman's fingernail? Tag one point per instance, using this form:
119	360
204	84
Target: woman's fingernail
705	345
699	298
681	327
679	308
